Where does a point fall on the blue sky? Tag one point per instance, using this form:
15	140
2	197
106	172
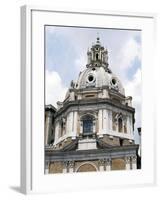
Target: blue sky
66	56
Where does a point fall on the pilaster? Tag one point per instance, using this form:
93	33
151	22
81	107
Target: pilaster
127	163
108	164
102	164
71	166
134	162
47	125
105	123
75	123
110	120
100	120
65	167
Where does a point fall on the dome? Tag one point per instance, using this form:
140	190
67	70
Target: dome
98	77
97	73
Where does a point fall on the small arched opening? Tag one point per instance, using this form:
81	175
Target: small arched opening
96	56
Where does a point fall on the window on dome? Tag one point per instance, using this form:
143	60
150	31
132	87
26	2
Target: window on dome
114	81
90	78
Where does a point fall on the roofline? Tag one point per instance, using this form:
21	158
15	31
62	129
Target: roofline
50	107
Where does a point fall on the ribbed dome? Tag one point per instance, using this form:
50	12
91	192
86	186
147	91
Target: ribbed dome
98	77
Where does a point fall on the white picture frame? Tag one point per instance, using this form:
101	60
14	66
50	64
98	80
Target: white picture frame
33	179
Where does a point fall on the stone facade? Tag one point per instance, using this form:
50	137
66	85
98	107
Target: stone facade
56	167
118	164
92	129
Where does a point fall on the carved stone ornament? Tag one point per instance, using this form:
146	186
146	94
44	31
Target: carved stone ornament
71	164
65	163
134	158
127	160
102	161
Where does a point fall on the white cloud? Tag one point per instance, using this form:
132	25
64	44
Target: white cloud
133	88
55	90
123	57
129	52
123	60
81	61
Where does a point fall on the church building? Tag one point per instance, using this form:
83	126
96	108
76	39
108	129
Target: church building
93	128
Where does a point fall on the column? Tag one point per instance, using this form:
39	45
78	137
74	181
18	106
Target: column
129	125
72	122
47	127
110	120
101	164
134	162
108	164
65	167
71	166
67	124
56	132
100	116
105	121
75	125
127	163
70	125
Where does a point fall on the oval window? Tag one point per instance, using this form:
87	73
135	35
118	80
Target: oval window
90	78
114	81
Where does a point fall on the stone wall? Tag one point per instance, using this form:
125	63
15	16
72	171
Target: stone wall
118	164
113	141
94	165
56	167
127	142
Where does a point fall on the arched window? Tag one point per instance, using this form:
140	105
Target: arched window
120	124
87	125
96	56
